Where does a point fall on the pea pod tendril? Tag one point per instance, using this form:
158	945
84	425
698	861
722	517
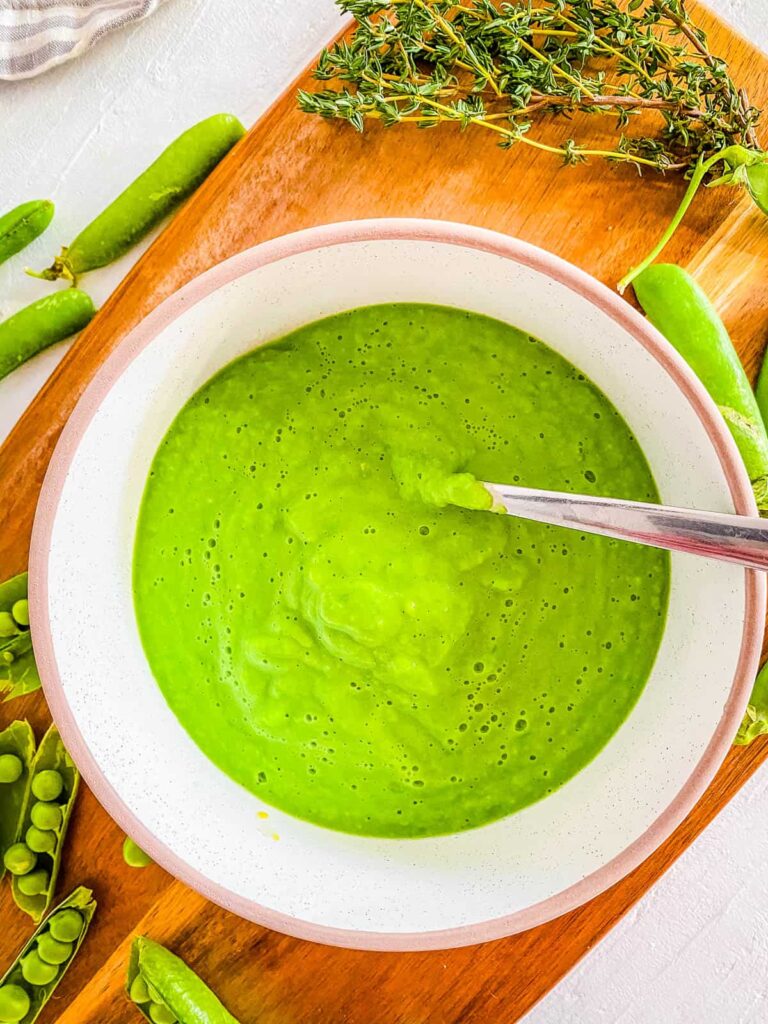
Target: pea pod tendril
742	167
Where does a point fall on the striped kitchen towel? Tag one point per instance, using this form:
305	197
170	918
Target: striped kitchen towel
36	35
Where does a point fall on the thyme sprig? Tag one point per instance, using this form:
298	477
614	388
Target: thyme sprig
499	65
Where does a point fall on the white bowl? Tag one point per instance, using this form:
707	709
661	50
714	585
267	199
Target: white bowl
203	827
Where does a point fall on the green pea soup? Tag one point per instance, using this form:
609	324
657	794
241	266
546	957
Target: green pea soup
336	617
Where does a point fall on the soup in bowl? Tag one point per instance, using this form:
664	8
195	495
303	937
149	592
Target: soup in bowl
299	656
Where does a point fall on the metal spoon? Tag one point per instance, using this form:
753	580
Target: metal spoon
728	537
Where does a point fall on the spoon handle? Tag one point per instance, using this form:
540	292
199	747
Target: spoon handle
728	537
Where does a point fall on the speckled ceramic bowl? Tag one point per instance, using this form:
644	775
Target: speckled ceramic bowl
201	826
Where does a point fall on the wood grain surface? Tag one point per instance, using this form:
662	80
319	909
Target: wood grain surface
291	172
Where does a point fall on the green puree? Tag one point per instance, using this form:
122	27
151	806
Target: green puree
337	636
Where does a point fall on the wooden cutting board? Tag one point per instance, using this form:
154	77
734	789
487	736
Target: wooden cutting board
291	172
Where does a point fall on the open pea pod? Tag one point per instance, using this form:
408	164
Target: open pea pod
755	721
17	749
166	991
18	671
35	859
30	981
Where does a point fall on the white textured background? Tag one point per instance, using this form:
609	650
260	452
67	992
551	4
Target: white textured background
695	951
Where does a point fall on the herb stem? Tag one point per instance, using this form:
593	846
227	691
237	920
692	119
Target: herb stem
556	70
699	173
463	45
482	122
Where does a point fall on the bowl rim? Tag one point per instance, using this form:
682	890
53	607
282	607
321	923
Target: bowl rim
400	229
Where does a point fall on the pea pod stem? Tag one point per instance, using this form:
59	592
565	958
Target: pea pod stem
677	306
739	160
173	176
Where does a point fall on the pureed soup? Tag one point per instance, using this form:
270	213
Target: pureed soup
336	618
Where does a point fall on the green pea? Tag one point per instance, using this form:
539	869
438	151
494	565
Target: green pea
133	855
11	767
66	926
174	175
160	1014
20	611
47	785
8	626
19	859
45	816
138	991
53	951
39	841
35	883
41	324
23	225
14	1004
37	971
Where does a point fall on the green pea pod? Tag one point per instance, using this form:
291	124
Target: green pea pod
676	305
757	183
23	225
761	389
183	996
752	442
42	324
167	182
18	741
52	758
17	991
755	721
18	671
